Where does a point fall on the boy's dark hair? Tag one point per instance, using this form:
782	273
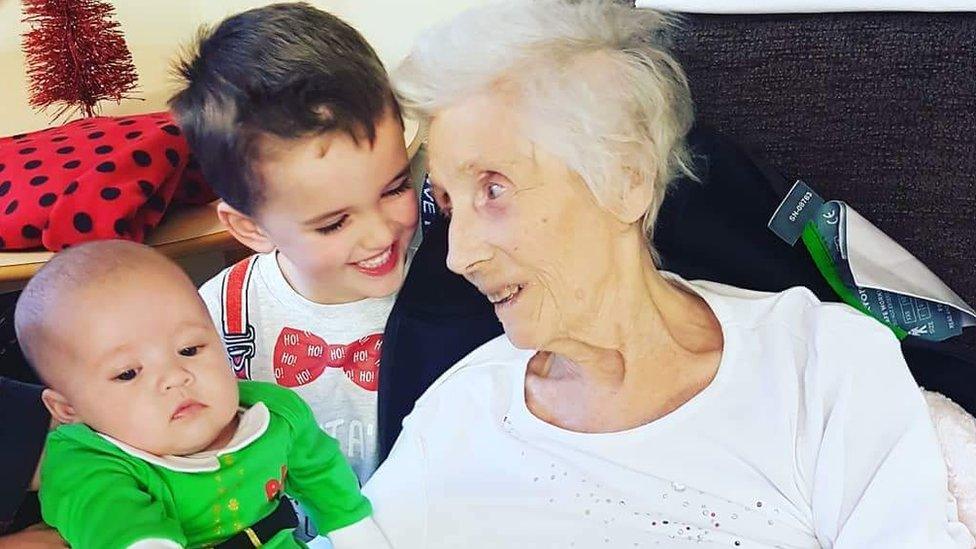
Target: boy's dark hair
289	70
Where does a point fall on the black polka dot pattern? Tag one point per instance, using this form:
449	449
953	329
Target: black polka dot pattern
142	158
30	232
47	199
173	157
110	193
82	222
94	178
122	227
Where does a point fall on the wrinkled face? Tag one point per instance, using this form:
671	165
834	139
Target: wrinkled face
143	363
341	213
524	228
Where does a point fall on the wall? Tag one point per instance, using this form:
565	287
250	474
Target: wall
155	31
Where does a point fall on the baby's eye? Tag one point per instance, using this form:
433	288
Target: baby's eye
127	375
189	351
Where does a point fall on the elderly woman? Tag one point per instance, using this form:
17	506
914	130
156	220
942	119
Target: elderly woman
624	406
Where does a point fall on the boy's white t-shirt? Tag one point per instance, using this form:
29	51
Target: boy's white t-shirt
812	434
328	354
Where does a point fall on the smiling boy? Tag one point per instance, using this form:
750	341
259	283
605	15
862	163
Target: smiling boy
293	119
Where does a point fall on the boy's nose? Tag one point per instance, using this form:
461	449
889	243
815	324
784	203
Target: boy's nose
378	233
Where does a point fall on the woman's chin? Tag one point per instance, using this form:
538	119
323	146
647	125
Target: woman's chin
521	336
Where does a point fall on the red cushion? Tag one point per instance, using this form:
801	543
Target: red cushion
92	179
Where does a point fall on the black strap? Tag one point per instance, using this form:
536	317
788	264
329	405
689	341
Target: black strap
282	518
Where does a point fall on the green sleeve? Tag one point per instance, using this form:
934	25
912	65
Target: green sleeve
319	476
94	498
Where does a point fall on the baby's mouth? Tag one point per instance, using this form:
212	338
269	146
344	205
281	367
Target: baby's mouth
187	408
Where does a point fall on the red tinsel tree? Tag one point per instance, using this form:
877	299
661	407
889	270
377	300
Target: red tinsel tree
76	55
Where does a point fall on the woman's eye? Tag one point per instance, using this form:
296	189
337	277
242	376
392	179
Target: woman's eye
333	227
495	190
189	351
127	375
443	203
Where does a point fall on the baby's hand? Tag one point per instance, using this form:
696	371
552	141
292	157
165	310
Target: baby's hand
39	536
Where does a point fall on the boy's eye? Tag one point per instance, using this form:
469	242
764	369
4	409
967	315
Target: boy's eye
189	351
400	189
127	375
333	227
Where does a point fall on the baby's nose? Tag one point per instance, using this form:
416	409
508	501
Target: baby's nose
176	378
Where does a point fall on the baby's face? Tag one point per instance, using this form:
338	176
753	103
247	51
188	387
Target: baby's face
144	364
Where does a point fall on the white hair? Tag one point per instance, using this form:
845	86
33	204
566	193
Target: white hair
594	81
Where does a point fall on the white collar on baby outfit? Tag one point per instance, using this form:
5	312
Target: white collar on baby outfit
253	423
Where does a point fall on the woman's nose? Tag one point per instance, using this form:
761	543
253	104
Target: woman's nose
466	247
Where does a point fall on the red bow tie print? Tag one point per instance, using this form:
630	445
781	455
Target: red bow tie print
301	357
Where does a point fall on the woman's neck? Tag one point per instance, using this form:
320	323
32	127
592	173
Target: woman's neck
651	342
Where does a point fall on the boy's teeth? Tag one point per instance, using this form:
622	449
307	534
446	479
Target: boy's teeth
376	261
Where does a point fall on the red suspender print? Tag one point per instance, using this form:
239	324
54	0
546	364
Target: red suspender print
238	334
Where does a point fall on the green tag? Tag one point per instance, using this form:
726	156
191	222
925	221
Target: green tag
912	315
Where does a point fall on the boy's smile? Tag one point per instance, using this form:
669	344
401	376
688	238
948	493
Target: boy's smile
380	264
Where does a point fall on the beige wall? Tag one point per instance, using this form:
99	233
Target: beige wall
155	30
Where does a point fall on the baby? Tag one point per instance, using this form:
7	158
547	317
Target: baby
161	446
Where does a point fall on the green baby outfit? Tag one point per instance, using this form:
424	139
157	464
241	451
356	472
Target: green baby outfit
101	493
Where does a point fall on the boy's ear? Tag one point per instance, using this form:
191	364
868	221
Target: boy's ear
243	227
61	410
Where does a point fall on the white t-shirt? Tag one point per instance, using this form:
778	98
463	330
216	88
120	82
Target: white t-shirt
812	434
328	354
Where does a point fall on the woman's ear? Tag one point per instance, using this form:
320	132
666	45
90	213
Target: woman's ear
61	410
635	199
244	228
